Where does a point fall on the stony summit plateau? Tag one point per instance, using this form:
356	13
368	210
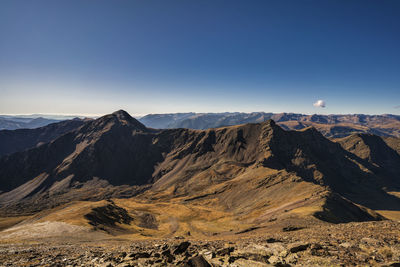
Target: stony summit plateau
113	192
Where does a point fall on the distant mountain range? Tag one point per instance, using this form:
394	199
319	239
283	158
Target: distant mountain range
331	126
13	122
258	172
334	126
21	139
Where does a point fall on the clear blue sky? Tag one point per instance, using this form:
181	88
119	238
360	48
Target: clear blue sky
94	57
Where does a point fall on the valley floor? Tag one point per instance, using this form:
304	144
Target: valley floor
351	244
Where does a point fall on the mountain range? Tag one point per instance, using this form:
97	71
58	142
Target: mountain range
253	194
258	173
334	126
12	123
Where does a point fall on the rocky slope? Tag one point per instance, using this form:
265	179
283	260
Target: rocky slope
373	149
354	244
256	171
394	143
276	196
101	148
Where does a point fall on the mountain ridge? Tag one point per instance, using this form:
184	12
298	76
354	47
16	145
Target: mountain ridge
13	123
334	126
117	156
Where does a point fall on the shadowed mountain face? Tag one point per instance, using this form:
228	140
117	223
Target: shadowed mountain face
106	147
335	126
375	150
22	139
245	169
394	143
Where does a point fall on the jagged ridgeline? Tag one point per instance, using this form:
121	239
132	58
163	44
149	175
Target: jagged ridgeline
255	174
332	126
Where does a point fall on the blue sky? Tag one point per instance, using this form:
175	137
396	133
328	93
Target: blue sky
94	57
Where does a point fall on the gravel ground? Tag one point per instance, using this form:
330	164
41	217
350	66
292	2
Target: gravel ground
352	244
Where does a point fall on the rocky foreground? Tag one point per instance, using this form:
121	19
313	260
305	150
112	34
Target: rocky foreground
353	244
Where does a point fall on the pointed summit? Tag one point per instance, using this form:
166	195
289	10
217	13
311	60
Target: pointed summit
124	117
122	114
120	117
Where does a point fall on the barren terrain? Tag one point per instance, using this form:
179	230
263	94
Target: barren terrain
115	193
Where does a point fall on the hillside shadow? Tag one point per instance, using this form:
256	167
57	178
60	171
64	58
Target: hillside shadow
308	153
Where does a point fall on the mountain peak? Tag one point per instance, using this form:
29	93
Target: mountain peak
122	114
123	117
115	119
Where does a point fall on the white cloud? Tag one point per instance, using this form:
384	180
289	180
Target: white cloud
320	104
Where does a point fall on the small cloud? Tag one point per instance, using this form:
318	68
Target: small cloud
397	106
320	104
